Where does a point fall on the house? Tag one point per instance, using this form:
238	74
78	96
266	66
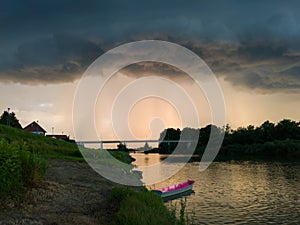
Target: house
35	128
59	136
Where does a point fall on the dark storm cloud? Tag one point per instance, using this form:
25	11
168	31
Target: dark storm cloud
59	58
260	66
151	68
56	49
253	44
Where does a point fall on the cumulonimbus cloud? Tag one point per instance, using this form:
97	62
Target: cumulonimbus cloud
264	66
55	43
55	59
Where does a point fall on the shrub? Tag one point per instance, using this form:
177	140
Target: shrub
140	208
146	208
10	168
19	168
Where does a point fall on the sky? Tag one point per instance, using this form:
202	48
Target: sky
252	47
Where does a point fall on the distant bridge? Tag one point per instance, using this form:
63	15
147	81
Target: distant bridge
101	143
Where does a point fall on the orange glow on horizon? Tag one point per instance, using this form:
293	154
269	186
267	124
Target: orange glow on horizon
152	115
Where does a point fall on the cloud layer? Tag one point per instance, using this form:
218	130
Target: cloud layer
252	45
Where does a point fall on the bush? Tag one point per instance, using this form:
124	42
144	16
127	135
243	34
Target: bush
19	168
10	169
122	156
140	208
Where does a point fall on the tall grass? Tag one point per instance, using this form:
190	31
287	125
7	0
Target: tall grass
21	158
140	208
146	208
19	168
185	218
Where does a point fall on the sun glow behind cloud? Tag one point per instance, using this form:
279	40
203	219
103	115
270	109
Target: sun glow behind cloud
149	115
152	115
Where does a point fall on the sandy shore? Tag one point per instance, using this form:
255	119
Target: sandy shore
72	194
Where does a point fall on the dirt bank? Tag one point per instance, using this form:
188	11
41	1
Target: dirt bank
72	194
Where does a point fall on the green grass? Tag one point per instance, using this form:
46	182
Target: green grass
22	164
122	156
22	158
23	154
39	144
19	168
47	147
140	208
145	208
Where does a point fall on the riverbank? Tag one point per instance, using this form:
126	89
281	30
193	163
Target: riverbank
72	193
47	181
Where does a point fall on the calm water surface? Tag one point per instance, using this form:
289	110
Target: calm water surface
239	192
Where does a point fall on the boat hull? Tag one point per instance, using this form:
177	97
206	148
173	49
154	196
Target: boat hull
174	190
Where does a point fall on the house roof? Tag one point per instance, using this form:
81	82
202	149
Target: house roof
34	127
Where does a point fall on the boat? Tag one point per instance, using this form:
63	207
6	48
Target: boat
176	189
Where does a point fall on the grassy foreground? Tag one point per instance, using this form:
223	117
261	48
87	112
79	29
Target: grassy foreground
22	158
22	165
23	154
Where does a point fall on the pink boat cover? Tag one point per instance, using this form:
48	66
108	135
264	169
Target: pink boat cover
176	186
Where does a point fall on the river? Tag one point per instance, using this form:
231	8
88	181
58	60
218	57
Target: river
238	192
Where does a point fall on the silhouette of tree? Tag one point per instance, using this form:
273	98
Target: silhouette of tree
204	135
287	129
10	119
266	132
122	147
269	139
169	134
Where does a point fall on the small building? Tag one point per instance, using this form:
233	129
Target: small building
35	128
59	136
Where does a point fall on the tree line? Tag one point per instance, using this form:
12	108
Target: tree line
268	139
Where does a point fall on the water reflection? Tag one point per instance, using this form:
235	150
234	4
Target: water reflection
240	192
142	159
